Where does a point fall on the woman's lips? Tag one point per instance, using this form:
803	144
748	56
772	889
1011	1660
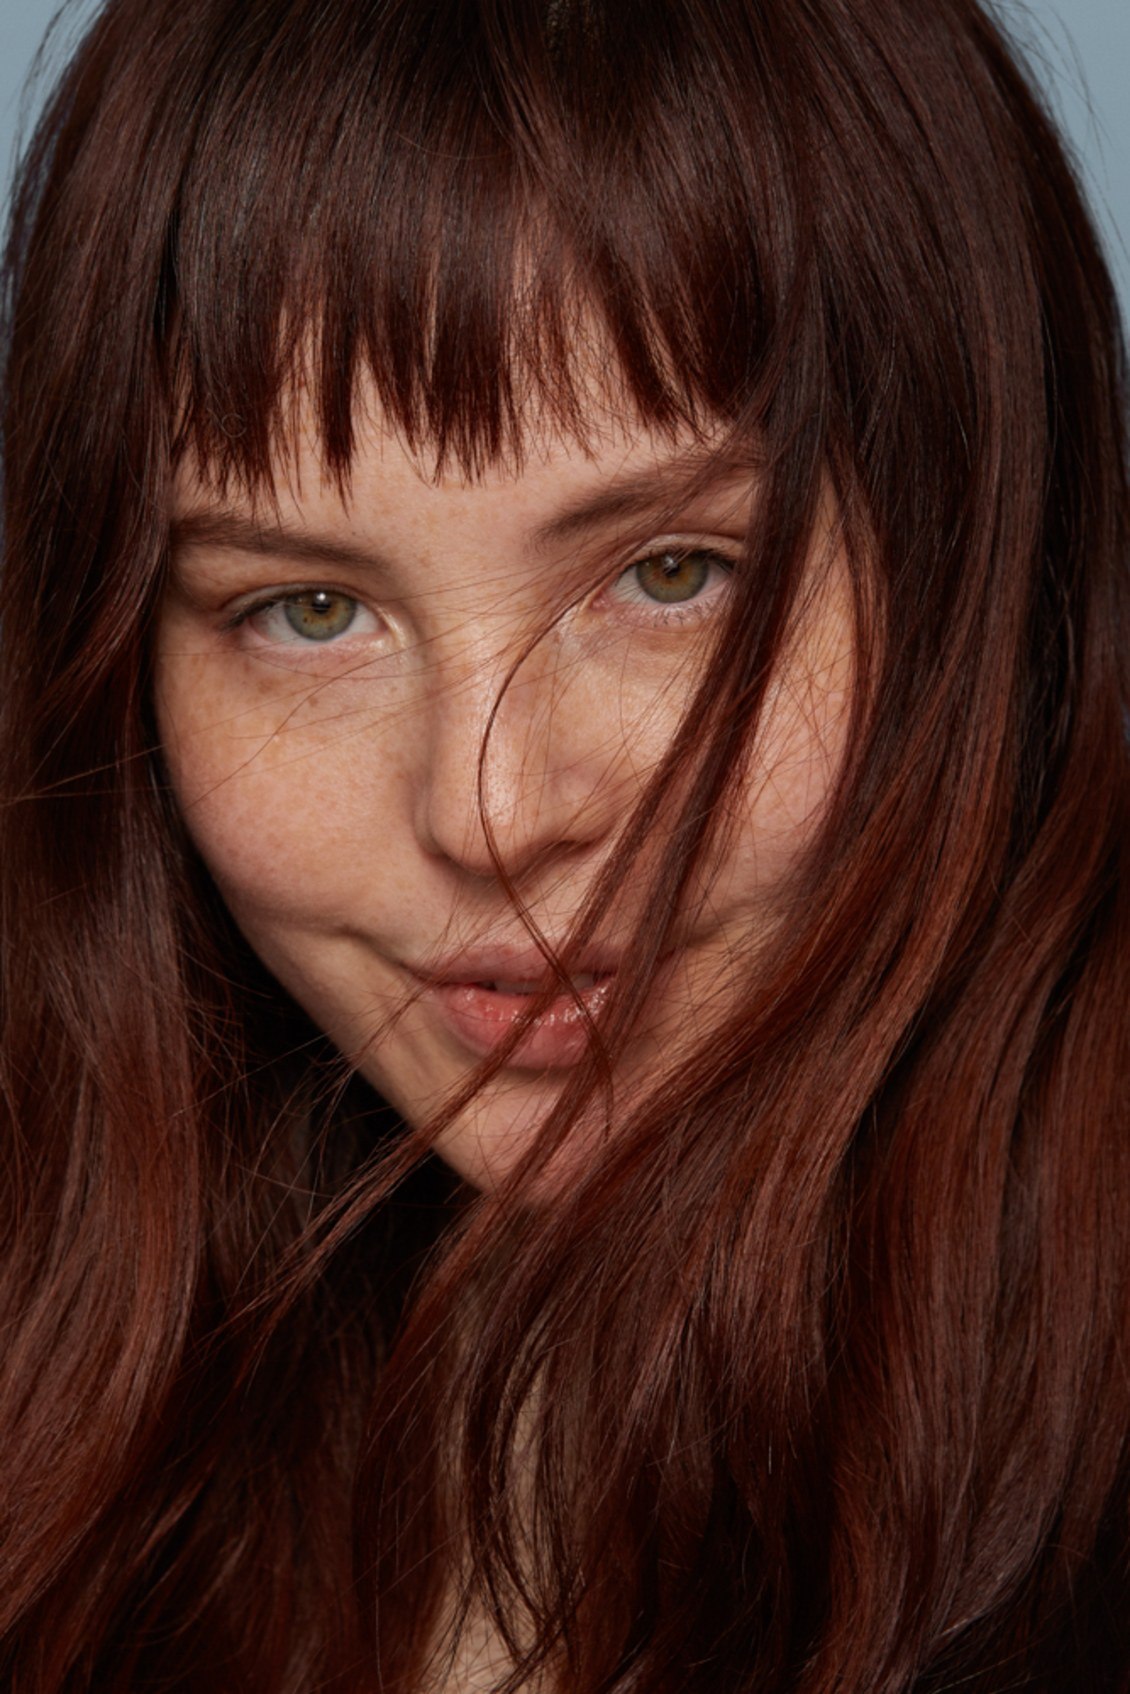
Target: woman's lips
482	1015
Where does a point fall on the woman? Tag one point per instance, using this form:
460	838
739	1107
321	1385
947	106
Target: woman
565	916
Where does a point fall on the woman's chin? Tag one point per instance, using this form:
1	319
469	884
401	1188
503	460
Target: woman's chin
496	1130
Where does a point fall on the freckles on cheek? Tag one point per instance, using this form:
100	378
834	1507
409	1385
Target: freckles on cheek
274	790
800	754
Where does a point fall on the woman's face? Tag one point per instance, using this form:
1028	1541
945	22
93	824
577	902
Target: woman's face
327	672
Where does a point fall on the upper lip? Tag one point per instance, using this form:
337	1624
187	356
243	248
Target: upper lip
517	963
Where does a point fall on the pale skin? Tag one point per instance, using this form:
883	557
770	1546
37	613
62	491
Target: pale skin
325	749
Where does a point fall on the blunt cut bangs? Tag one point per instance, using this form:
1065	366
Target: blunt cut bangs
445	198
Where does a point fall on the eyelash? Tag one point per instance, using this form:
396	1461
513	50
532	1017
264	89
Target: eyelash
656	613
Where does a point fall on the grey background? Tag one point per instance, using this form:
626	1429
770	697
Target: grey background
1080	48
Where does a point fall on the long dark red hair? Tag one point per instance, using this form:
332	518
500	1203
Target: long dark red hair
819	1381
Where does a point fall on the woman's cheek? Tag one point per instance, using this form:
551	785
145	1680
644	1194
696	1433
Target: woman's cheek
267	797
797	759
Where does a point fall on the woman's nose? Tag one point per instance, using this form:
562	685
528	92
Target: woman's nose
518	759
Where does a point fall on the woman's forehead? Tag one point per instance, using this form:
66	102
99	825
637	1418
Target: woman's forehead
616	464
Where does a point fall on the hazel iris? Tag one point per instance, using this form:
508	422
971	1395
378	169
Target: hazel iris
671	577
318	614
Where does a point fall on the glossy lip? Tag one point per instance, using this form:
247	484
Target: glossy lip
458	989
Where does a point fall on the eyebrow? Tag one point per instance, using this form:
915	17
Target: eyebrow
626	496
661	489
222	526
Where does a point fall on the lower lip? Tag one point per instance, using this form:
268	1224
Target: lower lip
482	1019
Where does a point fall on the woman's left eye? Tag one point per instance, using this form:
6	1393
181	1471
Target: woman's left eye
675	577
310	616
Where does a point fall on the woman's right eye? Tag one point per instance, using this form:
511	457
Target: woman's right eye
309	616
